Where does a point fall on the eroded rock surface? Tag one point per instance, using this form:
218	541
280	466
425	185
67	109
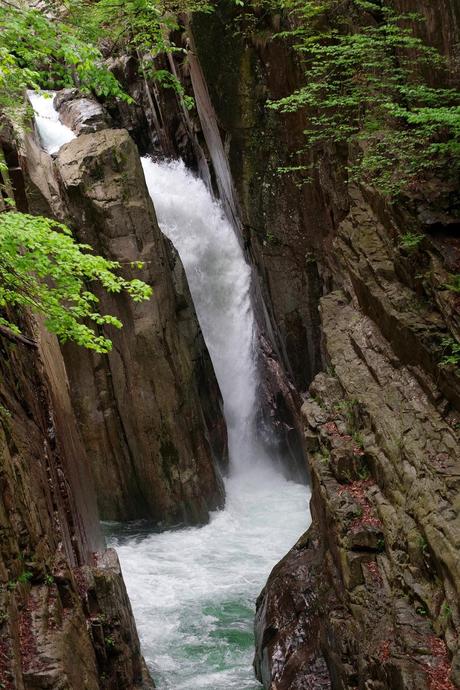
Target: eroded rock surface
82	114
65	618
371	592
150	412
385	469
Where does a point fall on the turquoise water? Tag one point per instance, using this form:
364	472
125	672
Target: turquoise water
193	590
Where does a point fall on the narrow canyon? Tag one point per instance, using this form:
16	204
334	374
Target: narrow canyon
230	345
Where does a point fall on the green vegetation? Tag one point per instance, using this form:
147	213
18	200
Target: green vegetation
23	578
325	455
454	283
363	473
364	86
63	45
423	544
422	611
451	352
109	642
446	611
410	241
44	269
349	408
55	55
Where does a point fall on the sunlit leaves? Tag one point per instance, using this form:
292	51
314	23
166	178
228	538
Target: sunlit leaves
364	84
39	52
43	269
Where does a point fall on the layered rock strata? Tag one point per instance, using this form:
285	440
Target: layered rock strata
149	412
368	597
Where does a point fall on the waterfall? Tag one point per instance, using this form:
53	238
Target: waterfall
53	134
220	282
193	590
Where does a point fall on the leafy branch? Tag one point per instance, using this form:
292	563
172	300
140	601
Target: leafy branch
42	268
364	86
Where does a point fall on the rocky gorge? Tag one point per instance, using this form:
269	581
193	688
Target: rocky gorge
354	394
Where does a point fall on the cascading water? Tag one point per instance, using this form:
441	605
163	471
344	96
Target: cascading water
53	134
193	590
220	281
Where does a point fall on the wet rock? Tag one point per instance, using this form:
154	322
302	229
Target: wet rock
288	622
81	113
49	534
381	426
151	409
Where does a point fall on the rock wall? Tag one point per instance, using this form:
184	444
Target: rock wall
283	225
65	619
368	597
150	412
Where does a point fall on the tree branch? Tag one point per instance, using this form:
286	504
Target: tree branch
17	338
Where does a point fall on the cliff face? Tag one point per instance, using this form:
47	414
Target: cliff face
65	619
283	226
150	412
369	596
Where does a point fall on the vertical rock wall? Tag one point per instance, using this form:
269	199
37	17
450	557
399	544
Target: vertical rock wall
150	412
65	619
282	224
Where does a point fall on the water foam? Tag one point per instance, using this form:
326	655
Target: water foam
220	282
193	590
53	134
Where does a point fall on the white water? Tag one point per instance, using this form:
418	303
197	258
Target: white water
53	134
193	590
220	281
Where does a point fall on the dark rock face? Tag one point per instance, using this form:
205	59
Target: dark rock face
150	412
288	622
283	225
385	471
65	619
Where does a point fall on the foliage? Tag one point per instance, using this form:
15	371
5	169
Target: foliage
25	577
55	55
410	241
451	349
454	282
44	269
140	26
63	46
143	25
364	85
56	46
